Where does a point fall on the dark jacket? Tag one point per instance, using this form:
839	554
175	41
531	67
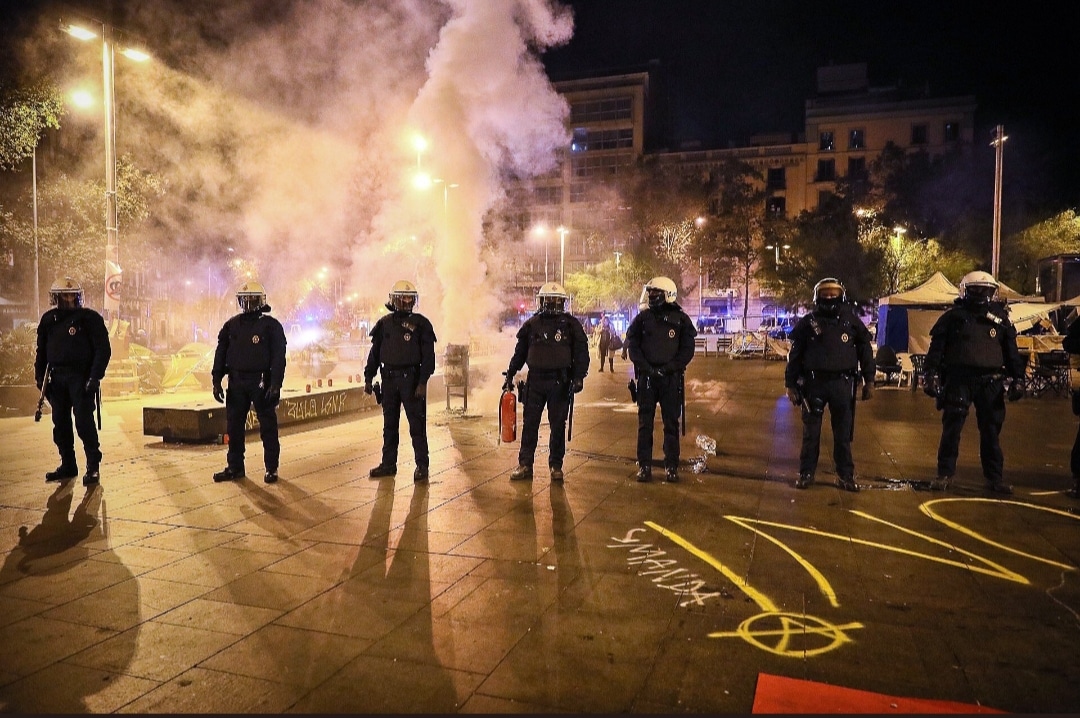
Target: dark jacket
251	342
661	338
1071	341
562	327
399	323
72	338
990	330
830	344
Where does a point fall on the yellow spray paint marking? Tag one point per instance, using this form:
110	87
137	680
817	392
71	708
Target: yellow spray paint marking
791	626
926	509
823	583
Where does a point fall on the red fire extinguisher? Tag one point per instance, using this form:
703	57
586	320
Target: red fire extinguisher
508	416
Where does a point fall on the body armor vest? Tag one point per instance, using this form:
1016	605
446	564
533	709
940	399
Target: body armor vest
67	341
549	344
974	342
249	344
400	342
831	346
660	336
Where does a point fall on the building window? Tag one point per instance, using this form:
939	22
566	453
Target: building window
827	143
776	178
585	140
857	140
580	141
918	134
606	165
578	191
547	195
952	131
826	171
856	168
611	108
824	197
775	206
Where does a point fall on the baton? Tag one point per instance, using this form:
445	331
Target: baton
98	393
682	400
44	386
570	422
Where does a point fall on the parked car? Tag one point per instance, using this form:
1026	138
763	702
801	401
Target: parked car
778	327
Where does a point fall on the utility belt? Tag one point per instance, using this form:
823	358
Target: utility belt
817	375
560	375
67	368
399	371
238	375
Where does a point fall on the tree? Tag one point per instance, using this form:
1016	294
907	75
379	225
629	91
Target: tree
612	285
25	113
732	245
1022	251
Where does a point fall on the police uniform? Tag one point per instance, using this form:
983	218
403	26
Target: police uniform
74	344
251	352
660	344
826	357
972	350
403	349
556	349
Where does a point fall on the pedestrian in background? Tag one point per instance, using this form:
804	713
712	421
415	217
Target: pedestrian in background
1071	344
403	351
660	343
554	345
605	335
830	350
72	354
972	352
251	353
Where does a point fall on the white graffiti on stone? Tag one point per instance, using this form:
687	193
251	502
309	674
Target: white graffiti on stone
663	572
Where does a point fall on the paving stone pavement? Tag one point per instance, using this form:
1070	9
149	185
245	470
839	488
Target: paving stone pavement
163	592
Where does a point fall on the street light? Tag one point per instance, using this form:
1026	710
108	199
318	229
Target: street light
112	241
998	144
777	248
563	231
699	223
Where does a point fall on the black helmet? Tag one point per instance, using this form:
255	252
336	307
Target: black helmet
251	297
837	295
66	293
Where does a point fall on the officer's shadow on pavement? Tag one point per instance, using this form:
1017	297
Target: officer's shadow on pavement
66	561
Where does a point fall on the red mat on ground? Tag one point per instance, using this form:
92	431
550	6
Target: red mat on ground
776	694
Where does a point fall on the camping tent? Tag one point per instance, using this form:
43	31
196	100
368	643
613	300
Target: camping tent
906	318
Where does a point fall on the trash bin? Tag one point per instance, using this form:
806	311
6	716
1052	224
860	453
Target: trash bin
456	373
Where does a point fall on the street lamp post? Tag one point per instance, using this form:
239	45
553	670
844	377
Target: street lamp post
777	248
699	223
999	145
37	272
563	231
112	241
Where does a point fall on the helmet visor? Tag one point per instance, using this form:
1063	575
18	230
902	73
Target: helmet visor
403	301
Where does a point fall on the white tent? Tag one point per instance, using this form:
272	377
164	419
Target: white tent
905	318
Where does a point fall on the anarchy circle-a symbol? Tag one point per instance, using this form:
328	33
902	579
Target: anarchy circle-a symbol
791	634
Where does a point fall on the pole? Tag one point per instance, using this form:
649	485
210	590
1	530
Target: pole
998	143
112	244
700	286
562	255
37	273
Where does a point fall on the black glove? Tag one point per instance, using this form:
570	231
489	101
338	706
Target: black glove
577	386
932	385
868	391
92	385
367	386
508	385
1016	390
273	396
219	393
421	390
654	371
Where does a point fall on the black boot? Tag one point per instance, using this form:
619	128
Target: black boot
644	474
63	472
383	470
92	477
228	474
521	473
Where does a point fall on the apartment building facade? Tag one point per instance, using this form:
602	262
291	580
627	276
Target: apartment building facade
847	124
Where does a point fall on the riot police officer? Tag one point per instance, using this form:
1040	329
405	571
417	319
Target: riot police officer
972	352
72	354
660	343
251	352
403	349
830	349
553	344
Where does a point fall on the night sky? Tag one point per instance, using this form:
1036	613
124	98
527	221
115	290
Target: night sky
730	69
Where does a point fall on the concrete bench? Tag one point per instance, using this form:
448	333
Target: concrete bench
204	421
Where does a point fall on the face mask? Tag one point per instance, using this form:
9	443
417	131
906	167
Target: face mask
656	299
978	296
829	306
